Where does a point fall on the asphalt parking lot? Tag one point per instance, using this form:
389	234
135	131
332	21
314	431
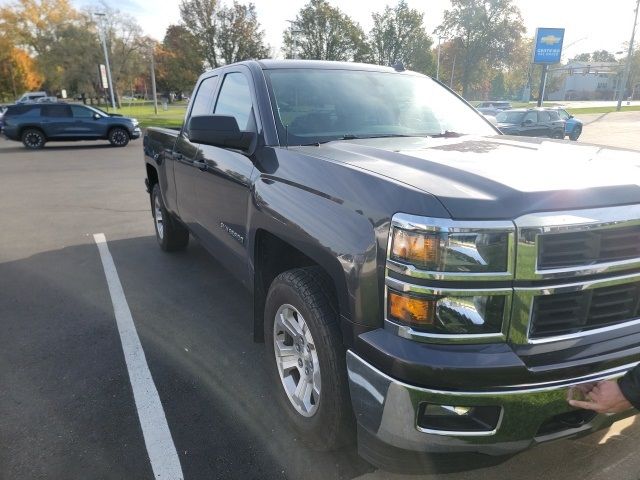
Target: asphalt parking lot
67	408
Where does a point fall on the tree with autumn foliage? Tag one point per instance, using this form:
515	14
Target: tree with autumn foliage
18	72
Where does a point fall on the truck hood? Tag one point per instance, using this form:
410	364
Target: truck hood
497	177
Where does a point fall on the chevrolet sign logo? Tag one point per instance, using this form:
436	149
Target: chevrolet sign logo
550	40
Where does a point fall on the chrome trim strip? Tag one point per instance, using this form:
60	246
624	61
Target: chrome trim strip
432	224
453	433
531	226
401	286
521	389
584	333
412	271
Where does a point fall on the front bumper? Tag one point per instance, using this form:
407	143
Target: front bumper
387	410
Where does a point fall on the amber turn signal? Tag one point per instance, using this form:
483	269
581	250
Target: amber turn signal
415	248
416	312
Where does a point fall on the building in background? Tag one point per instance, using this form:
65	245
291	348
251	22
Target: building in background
587	81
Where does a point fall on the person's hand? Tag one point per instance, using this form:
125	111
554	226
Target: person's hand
605	397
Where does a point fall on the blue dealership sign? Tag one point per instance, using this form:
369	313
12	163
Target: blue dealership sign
548	45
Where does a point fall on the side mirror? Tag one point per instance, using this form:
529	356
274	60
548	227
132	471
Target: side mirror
96	116
218	131
570	116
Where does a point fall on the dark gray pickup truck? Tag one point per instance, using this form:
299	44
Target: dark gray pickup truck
414	272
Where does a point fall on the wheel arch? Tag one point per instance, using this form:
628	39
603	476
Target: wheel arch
272	256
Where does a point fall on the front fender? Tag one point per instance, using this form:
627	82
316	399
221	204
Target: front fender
326	230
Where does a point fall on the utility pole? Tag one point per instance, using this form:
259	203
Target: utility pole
106	55
453	69
153	84
627	67
438	67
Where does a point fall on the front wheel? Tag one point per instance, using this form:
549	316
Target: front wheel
171	235
119	137
575	134
307	357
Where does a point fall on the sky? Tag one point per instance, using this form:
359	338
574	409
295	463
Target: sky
590	24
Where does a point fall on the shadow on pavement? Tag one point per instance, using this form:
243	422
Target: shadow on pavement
67	408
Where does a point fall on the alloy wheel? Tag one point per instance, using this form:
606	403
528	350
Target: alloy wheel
157	215
297	360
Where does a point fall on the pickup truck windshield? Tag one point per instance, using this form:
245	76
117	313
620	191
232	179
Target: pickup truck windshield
315	105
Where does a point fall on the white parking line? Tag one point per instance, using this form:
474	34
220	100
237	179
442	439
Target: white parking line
157	436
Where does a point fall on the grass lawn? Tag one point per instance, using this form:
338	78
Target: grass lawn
586	110
170	118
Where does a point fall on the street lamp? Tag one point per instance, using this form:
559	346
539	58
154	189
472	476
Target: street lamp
103	39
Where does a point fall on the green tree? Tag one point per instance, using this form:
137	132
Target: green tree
487	32
178	63
602	56
581	57
323	32
399	35
239	34
200	18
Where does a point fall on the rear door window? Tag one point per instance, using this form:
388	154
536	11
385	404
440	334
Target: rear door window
235	99
57	111
203	101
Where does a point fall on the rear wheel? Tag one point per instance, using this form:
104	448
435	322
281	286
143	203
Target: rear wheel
171	235
307	357
33	139
118	137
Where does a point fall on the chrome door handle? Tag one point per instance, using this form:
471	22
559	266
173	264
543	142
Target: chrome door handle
201	164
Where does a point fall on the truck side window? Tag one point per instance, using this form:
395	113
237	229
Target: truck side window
235	99
202	101
81	112
544	117
531	116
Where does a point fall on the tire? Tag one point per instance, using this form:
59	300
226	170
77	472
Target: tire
171	235
33	138
575	134
302	298
119	137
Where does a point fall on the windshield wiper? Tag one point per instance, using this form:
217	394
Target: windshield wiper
446	134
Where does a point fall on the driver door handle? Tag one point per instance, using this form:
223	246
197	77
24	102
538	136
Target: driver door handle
177	156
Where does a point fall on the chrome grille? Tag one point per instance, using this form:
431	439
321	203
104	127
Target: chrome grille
575	312
565	250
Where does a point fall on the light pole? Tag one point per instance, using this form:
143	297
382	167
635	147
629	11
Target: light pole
103	39
627	67
294	36
153	84
438	67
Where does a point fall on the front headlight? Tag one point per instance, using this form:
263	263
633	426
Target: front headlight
450	251
435	267
448	315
